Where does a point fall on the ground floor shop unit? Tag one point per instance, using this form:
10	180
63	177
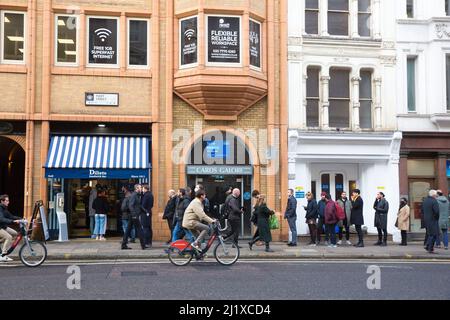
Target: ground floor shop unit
337	162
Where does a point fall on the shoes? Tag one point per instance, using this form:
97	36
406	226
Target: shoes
359	245
250	245
5	259
333	246
339	242
313	245
378	243
145	247
431	251
169	242
349	243
102	239
403	244
125	248
196	246
133	240
446	248
384	244
292	244
438	247
269	250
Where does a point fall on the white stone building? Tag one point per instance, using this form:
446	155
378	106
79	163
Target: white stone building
342	102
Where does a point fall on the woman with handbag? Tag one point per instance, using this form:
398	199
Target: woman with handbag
312	212
403	219
263	214
253	217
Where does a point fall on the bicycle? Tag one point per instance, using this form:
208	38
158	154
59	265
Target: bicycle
32	253
181	252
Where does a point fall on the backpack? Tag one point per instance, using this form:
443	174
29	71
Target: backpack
340	214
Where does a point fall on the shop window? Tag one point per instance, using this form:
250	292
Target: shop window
312	16
421	168
188	42
223	47
364	17
138	52
312	98
13	37
411	78
410	8
338	15
103	44
339	110
66	39
365	99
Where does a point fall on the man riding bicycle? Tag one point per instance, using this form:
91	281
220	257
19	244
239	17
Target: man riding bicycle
193	217
6	234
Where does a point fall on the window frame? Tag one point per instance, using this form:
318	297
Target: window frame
415	59
77	59
349	98
413	5
190	65
447	81
241	37
348	12
132	66
318	18
2	40
370	13
310	98
372	90
102	65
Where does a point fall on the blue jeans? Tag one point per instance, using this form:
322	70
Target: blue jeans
444	238
92	225
100	220
124	228
178	228
293	228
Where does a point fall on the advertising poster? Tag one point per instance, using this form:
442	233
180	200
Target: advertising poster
189	41
103	41
224	39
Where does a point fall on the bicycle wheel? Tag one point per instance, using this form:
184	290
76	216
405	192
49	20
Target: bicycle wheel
34	257
227	253
179	258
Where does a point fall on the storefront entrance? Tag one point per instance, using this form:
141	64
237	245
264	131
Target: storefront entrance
418	189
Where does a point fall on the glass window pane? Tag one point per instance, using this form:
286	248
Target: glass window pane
13	36
67	39
312	22
338	23
364	5
411	84
312	4
448	82
365	114
339	113
410	8
312	113
421	168
325	183
338	5
339	83
447	7
365	86
312	84
364	24
339	185
138	43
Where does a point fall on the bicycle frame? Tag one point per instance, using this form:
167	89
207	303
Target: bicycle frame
23	234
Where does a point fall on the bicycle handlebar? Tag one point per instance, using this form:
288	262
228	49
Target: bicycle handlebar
219	226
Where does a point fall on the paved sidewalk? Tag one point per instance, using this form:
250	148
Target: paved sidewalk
86	249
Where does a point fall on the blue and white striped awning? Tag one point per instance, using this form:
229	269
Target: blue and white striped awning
100	154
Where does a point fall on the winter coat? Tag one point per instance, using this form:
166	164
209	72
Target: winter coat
6	218
134	205
312	211
444	207
183	203
92	196
321	207
357	216
169	210
330	213
347	207
124	207
291	209
147	205
263	213
194	213
430	209
403	218
101	206
381	208
234	208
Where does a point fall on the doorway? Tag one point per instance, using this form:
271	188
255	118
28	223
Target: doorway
333	184
418	189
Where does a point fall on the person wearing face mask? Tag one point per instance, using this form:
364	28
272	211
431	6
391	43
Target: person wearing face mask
403	220
381	207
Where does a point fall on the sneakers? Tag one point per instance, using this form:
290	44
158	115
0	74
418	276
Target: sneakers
312	245
5	259
196	246
339	242
292	244
349	243
269	250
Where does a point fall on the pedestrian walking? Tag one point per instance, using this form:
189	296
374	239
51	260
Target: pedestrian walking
253	216
444	207
135	207
6	233
263	214
291	216
169	211
381	207
402	224
321	220
234	213
92	197
330	221
312	212
430	208
183	200
146	215
101	207
126	214
346	205
357	217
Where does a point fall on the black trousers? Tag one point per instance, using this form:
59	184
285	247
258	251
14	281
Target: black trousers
382	235
347	231
170	225
331	232
404	234
360	233
134	222
312	232
235	229
320	225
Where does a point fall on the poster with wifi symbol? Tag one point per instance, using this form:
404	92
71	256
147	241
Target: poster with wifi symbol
103	41
188	39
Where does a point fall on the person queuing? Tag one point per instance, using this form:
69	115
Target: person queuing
291	216
443	220
312	212
330	221
404	212
263	213
346	205
146	215
321	220
381	207
430	208
169	211
126	214
135	208
357	217
101	207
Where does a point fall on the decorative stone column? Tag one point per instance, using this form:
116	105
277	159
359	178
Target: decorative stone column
323	18
325	81
305	102
378	107
376	24
354	19
355	103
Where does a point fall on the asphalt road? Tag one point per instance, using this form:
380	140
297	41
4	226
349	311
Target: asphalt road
247	280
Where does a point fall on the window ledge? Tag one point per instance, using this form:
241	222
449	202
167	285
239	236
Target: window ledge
79	71
342	41
8	68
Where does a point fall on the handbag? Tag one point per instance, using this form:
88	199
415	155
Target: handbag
273	222
396	223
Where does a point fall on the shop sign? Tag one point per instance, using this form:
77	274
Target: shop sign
224	39
96	173
220	170
103	41
299	192
255	44
189	38
102	99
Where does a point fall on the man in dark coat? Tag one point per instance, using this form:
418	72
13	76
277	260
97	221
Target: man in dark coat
169	211
234	210
381	207
146	215
430	209
321	221
135	208
357	217
291	216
